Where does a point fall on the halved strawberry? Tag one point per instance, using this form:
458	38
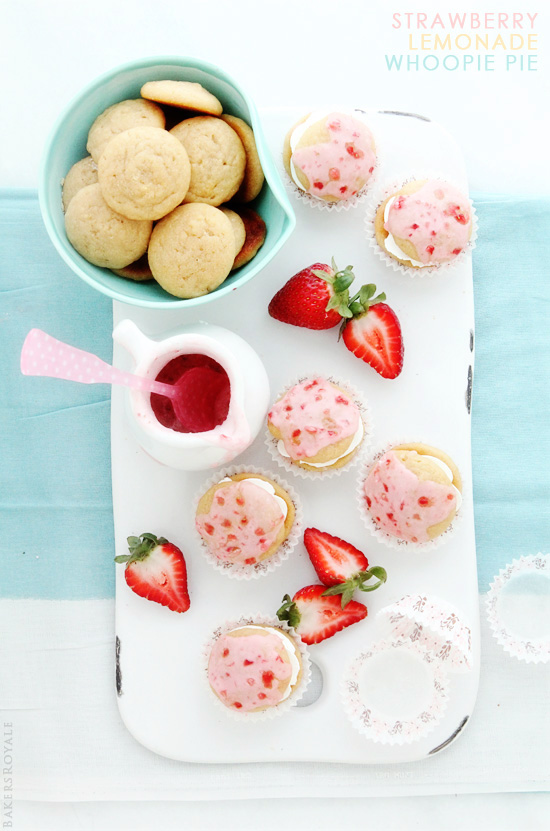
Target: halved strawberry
374	333
340	565
315	298
316	617
155	569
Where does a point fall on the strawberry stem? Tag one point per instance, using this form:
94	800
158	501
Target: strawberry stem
140	547
289	612
357	581
360	303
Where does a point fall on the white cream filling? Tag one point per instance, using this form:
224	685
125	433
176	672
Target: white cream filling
355	443
288	645
390	243
313	118
267	486
448	472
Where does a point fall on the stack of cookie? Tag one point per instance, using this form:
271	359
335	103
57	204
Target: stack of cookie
191	183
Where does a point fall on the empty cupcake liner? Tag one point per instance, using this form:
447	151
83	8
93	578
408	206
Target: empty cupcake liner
387	189
381	535
295	695
242	571
518	608
336	207
326	473
434	624
395	692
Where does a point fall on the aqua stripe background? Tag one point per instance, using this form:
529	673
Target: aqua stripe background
56	521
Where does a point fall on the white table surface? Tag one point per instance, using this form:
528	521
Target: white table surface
293	53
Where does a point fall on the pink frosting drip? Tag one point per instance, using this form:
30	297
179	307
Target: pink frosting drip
436	219
401	504
313	415
242	524
245	672
338	166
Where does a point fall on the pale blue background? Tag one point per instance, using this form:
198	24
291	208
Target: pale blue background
56	520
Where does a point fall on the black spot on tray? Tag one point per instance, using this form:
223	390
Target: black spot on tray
118	674
471	340
469	390
451	738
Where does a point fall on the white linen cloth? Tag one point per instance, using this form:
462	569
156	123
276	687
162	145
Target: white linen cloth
57	692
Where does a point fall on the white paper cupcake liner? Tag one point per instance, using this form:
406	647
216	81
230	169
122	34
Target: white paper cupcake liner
374	713
295	695
387	189
242	571
434	624
347	204
381	535
521	625
325	473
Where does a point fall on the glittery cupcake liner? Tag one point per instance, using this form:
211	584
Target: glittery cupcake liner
344	205
516	643
433	624
379	723
389	188
296	694
242	571
381	535
359	454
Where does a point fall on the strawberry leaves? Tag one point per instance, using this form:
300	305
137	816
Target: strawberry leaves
358	582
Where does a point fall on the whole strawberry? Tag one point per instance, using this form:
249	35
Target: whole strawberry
156	570
315	298
373	332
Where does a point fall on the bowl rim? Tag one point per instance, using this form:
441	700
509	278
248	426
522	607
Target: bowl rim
276	186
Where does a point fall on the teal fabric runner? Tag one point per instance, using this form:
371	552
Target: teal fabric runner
55	488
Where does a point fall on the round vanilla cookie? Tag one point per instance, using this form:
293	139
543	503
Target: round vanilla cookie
238	228
205	504
191	250
255	234
184	94
217	157
253	174
134	112
138	271
81	174
144	173
415	457
102	236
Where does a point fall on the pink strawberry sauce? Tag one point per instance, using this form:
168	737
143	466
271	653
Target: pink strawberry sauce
342	165
245	672
205	385
436	219
243	522
312	415
401	504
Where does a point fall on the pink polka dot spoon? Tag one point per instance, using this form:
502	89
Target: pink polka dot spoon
50	358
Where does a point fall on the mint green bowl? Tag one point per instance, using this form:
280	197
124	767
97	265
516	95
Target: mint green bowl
67	144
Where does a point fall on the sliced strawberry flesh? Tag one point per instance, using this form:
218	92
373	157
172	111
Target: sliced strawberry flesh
161	577
334	560
375	337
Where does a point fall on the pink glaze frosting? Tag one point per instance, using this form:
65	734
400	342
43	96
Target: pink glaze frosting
436	219
336	167
312	415
401	504
242	524
245	672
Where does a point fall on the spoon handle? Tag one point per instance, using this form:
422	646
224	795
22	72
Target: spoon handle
48	357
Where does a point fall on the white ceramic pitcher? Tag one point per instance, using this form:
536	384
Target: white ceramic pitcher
249	394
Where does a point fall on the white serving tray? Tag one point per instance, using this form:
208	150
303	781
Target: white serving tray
162	695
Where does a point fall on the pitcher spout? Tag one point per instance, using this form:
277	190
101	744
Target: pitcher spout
127	334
